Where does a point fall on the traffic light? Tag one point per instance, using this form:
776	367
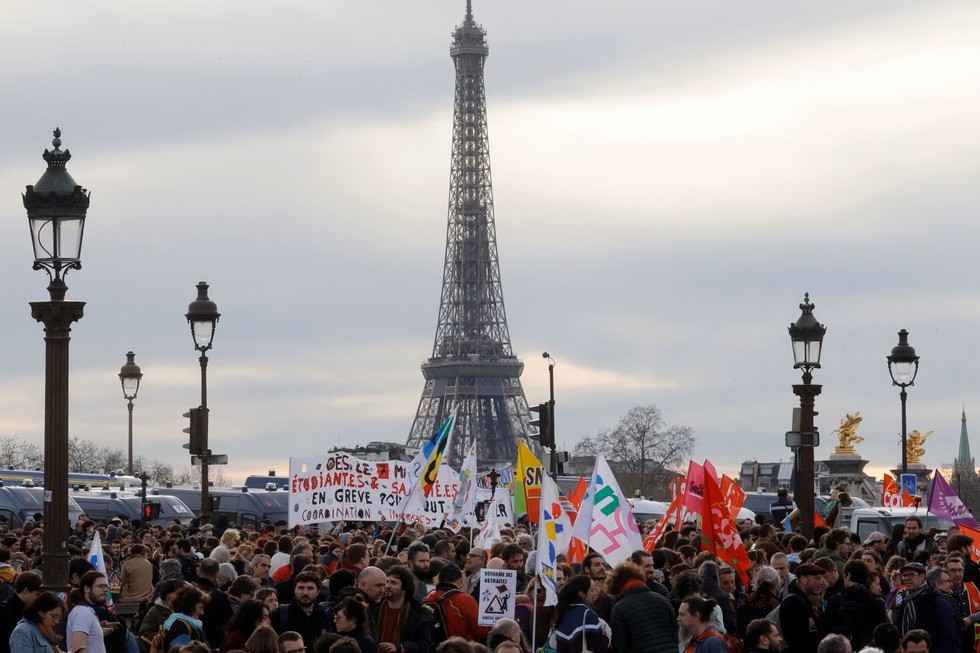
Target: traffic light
151	511
545	423
197	430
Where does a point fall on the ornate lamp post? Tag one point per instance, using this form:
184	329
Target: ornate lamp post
202	315
903	366
56	208
807	336
130	377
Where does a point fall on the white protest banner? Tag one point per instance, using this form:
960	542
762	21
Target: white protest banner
339	486
498	590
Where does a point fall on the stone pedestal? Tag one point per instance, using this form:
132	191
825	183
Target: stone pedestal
923	478
847	469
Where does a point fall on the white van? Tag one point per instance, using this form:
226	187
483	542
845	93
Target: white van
864	521
645	510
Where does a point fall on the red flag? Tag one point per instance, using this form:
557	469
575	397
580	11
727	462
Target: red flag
974	535
719	533
818	520
733	493
710	471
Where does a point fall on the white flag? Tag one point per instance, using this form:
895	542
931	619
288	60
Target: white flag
554	533
96	557
614	533
489	535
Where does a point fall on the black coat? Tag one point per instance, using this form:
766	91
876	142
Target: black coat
801	628
216	613
643	622
293	617
854	613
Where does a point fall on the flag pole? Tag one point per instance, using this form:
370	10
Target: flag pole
534	612
401	516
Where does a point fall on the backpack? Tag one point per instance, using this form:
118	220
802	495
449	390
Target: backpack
440	628
158	643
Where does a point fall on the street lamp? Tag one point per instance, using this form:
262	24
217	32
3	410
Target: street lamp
807	337
56	208
202	315
903	366
130	377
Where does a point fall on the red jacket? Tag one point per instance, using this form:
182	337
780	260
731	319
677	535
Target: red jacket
462	613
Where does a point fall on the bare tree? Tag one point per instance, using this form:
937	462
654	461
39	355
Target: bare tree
83	456
642	450
111	459
16	453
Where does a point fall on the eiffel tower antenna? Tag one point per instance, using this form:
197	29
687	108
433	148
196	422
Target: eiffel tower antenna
472	362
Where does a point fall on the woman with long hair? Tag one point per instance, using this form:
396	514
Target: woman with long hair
249	616
577	625
35	631
351	619
184	625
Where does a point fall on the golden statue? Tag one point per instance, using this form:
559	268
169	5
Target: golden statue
847	434
913	446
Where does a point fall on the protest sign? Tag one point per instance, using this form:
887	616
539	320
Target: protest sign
498	591
339	486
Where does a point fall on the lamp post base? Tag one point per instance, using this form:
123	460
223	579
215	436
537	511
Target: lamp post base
57	316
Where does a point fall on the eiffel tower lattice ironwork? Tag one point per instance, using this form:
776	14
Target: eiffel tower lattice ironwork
472	363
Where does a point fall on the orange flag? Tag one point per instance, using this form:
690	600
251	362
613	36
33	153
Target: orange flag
650	541
974	535
893	496
818	520
719	533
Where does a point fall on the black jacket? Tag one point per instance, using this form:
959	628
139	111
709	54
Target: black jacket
216	613
854	613
293	617
801	628
711	590
643	622
11	611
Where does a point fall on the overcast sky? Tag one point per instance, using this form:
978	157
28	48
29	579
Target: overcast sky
669	179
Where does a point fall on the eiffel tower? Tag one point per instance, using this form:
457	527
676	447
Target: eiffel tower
472	363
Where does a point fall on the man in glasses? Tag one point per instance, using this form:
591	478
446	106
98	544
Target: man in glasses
921	606
967	601
84	629
476	559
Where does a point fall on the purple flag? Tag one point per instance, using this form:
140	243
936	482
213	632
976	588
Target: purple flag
944	502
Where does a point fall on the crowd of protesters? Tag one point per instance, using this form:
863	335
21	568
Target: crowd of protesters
360	588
